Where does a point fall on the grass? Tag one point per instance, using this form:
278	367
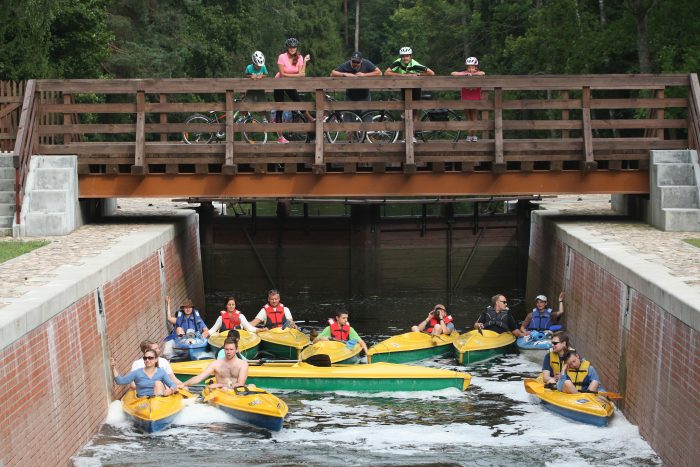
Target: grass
693	241
14	248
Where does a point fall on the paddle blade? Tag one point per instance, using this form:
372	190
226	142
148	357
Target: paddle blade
318	360
185	393
532	386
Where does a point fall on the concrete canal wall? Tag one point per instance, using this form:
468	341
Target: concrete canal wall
636	320
57	334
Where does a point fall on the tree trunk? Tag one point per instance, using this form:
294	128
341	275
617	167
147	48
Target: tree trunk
345	15
357	25
640	10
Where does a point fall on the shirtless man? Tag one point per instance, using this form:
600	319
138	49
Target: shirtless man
231	372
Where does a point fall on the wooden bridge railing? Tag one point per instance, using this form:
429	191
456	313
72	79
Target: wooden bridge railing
582	122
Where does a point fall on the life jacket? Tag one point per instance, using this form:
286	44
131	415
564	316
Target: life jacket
494	319
193	321
229	322
275	316
435	321
543	319
578	377
341	333
555	362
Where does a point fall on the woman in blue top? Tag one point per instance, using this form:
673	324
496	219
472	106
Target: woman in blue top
150	380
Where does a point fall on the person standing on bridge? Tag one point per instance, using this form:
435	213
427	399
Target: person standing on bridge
357	67
470	94
255	71
277	314
406	66
497	317
290	65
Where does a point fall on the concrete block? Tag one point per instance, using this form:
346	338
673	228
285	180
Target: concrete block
7	209
48	201
53	162
6	221
7	185
674	174
53	179
679	197
5	232
7	173
7	161
7	197
39	224
681	220
676	156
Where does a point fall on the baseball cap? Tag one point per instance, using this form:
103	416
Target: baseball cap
356	56
541	298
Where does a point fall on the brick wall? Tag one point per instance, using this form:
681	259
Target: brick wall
55	391
637	347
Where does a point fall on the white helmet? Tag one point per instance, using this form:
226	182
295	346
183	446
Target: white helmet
472	61
405	51
258	58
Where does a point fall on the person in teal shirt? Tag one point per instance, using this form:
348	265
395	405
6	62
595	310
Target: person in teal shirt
256	70
339	329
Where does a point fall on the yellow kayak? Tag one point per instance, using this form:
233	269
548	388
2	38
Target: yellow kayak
151	414
249	404
374	377
584	407
411	347
337	351
283	343
247	345
475	346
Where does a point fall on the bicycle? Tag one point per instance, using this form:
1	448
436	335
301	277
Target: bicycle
219	118
439	115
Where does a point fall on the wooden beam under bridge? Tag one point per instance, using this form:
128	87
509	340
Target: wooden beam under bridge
280	185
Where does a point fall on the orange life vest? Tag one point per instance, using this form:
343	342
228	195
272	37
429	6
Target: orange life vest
341	333
435	321
230	322
275	315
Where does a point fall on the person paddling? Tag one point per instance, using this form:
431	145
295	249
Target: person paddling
231	372
150	380
552	363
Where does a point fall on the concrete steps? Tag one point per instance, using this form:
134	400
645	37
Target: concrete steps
675	191
7	194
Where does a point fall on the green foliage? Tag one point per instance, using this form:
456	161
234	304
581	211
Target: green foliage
215	38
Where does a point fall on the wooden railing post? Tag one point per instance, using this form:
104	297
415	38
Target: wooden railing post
319	165
408	132
694	113
499	163
139	151
229	168
659	114
588	163
163	117
67	139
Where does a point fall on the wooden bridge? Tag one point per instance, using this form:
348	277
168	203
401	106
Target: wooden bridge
537	135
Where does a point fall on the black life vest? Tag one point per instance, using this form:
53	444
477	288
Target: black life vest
496	320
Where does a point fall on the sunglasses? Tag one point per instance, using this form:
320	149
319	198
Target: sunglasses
503	301
146	357
555	343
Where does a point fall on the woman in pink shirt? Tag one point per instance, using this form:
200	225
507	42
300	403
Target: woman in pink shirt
470	94
290	65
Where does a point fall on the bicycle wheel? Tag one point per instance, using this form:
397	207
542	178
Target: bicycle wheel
197	136
341	136
254	137
297	137
439	115
380	136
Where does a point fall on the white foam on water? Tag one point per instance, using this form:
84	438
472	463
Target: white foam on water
202	414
